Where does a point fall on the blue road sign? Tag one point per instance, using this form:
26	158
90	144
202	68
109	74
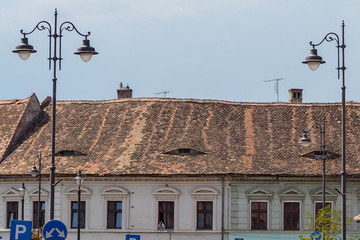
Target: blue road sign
132	237
316	236
20	230
54	230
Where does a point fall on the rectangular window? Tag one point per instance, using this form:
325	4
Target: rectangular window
12	209
204	215
291	216
166	214
74	214
318	206
259	215
35	214
114	214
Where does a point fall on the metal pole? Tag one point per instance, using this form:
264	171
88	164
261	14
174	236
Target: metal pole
52	167
78	220
324	158
22	208
343	130
39	199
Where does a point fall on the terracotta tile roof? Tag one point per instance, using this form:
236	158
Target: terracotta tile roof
131	136
14	120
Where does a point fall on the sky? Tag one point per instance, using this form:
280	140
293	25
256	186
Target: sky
201	49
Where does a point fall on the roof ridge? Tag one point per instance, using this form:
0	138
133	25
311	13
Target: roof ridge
145	99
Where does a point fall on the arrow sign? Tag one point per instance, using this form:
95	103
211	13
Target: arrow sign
55	230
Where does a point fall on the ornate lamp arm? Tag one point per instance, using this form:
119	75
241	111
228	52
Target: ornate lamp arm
68	26
329	38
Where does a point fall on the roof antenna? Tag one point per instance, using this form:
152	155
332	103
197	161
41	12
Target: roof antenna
163	92
276	87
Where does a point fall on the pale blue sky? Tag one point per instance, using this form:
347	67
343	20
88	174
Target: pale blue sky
203	49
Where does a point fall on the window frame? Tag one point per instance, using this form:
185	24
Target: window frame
205	212
205	194
115	211
167	212
8	220
82	211
166	194
10	195
267	214
35	212
120	194
283	215
72	196
34	197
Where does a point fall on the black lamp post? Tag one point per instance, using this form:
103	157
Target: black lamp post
79	180
305	142
37	173
24	50
314	61
22	190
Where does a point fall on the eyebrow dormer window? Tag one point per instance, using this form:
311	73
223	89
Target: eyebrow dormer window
184	151
69	153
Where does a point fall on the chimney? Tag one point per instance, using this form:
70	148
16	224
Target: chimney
124	92
295	95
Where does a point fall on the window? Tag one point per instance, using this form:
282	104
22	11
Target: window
167	202
114	214
74	214
291	215
35	214
166	214
12	212
319	205
259	215
204	212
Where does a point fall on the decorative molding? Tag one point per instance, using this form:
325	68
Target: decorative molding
166	193
11	192
317	194
291	193
259	193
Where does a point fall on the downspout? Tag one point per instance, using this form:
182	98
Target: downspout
222	207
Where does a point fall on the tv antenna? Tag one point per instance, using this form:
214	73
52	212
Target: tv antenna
276	87
163	92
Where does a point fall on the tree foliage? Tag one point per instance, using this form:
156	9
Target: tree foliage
328	223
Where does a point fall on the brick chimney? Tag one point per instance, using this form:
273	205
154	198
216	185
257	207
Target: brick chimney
295	95
124	92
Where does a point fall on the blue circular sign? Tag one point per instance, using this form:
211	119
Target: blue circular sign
54	230
316	236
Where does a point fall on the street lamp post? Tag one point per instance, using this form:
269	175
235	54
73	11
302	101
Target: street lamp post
314	61
79	180
85	51
22	190
305	142
37	173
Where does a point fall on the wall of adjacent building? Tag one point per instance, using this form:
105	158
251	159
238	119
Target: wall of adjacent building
140	207
277	192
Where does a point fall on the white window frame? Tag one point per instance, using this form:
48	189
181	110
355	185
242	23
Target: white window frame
72	196
34	197
166	194
11	195
260	194
116	193
292	194
205	194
